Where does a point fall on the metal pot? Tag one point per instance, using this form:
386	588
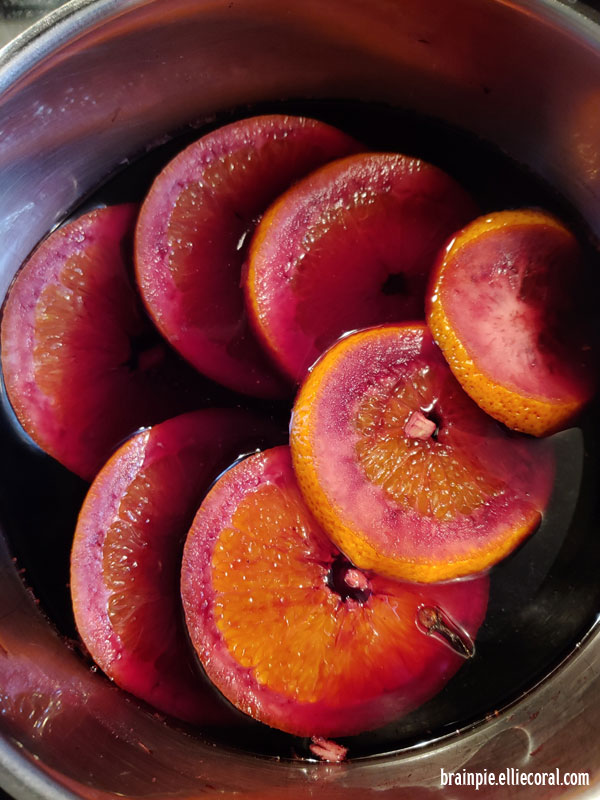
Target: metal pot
94	84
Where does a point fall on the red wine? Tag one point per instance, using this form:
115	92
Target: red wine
544	598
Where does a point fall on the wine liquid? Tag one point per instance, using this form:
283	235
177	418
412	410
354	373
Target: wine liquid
544	598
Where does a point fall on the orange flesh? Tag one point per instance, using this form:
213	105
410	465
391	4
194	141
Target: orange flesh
131	595
64	350
290	631
272	566
193	211
84	368
429	476
193	231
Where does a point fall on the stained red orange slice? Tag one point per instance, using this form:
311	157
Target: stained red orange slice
503	308
126	556
401	468
349	246
295	635
83	366
192	233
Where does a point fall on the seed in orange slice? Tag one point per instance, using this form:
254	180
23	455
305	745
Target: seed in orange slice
402	469
292	633
190	238
503	308
83	366
126	556
351	245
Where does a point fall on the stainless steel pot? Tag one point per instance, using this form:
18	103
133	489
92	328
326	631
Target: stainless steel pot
94	84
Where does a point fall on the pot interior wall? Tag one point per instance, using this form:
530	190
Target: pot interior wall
107	81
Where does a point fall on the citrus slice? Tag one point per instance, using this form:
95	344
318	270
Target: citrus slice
190	239
503	308
82	364
292	633
126	556
404	472
351	245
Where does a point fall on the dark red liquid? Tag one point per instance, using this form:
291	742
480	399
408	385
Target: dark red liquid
544	599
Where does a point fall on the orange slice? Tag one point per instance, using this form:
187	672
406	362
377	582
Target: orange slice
295	635
83	366
404	472
503	308
349	246
191	237
126	556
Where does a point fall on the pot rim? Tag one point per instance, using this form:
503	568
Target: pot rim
19	774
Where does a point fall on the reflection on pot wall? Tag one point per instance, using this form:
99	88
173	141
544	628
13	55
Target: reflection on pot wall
109	81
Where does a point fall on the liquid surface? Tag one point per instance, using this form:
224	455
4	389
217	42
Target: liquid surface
544	598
